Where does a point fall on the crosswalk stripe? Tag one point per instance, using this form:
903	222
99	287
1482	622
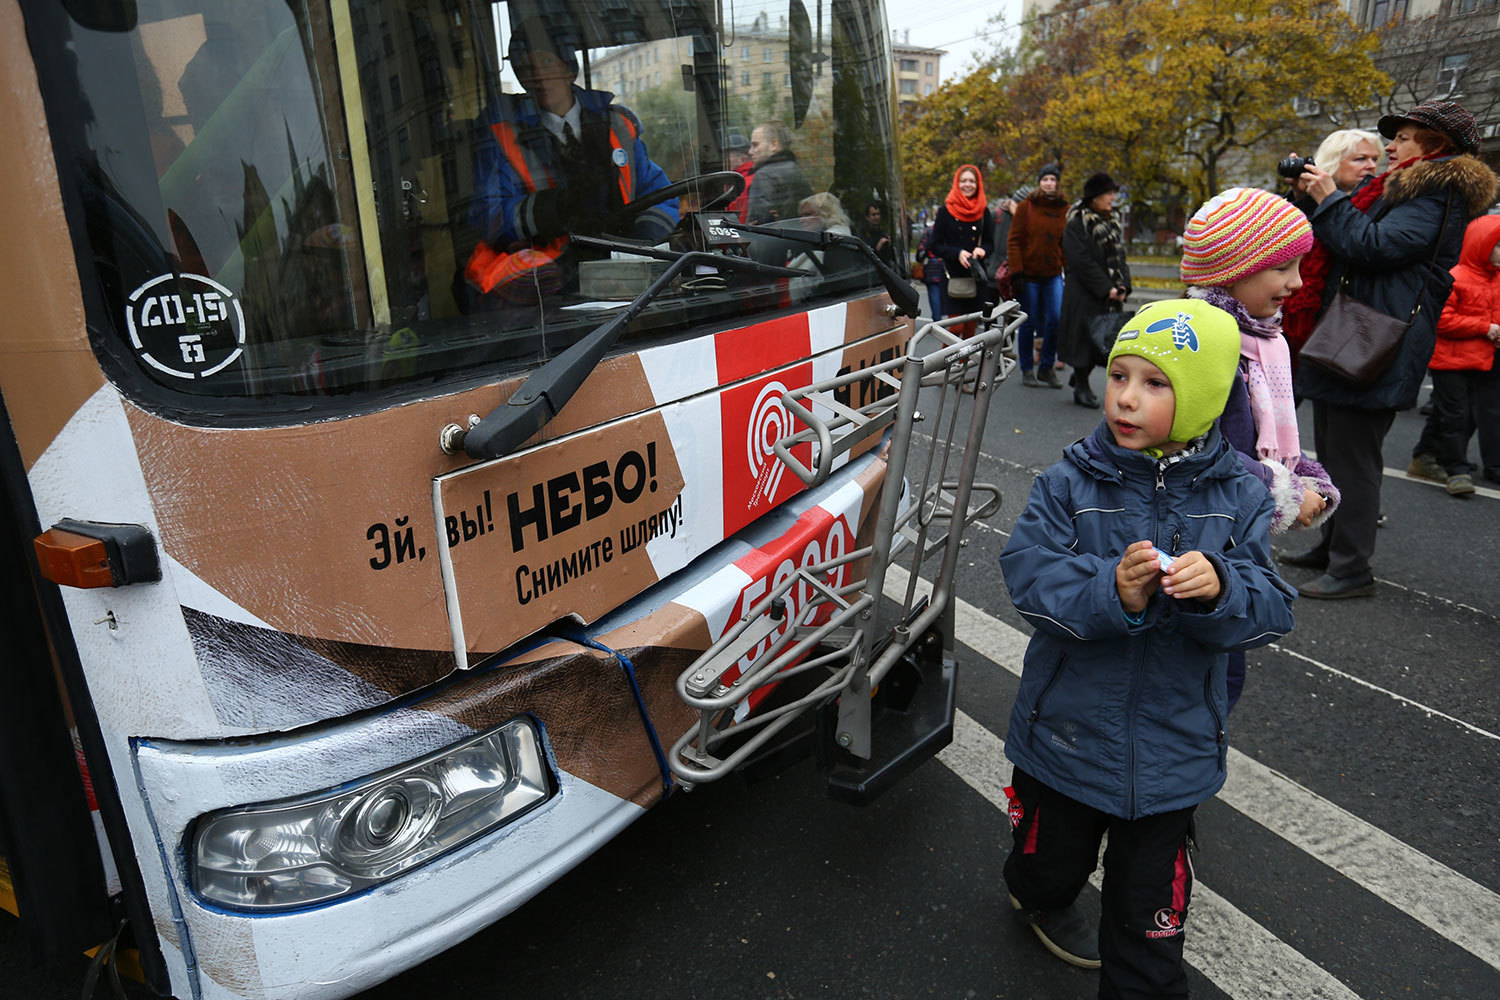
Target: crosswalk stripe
1449	903
1242	958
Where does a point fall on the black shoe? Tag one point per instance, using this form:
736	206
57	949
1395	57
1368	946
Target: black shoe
1065	932
1083	397
1332	588
1311	559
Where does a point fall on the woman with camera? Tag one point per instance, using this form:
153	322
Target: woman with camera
1097	279
1350	156
1389	247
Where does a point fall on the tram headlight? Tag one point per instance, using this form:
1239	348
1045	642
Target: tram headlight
320	847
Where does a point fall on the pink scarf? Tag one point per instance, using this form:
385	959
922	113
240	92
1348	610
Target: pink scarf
1268	377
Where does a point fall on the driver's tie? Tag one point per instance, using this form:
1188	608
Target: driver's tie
572	150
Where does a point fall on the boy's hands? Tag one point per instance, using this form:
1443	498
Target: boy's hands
1139	574
1192	575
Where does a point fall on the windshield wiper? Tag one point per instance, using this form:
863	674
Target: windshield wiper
905	297
547	390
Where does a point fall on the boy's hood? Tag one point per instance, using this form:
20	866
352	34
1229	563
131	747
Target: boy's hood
1479	240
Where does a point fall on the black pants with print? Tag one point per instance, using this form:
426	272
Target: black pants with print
1148	881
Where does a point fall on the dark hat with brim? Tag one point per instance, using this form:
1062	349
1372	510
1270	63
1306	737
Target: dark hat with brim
1098	184
737	141
1447	117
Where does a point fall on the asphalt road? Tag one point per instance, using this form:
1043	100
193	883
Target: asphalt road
1352	856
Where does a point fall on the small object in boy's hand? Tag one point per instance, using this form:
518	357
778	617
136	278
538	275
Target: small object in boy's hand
1165	561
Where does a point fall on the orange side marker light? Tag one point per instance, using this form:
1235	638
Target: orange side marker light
73	560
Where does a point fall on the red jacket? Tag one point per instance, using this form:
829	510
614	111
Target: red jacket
1474	303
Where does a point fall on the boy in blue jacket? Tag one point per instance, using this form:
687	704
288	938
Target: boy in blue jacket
1143	558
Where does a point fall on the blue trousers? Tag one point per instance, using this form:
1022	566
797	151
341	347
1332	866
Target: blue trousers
935	299
1041	300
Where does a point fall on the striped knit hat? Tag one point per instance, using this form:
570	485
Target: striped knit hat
1239	232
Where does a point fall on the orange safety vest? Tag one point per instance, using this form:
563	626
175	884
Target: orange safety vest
488	267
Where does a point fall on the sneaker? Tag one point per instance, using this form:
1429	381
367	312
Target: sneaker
1050	380
1332	588
1065	932
1427	467
1460	485
1030	379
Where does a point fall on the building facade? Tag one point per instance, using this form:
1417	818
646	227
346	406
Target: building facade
916	70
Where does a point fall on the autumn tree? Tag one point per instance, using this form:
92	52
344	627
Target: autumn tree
954	125
1177	87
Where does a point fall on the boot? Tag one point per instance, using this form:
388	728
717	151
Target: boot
1460	485
1066	933
1029	379
1049	378
1426	466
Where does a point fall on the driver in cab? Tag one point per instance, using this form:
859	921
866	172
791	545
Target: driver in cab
555	160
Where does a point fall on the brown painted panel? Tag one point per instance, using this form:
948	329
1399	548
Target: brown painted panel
46	368
558	531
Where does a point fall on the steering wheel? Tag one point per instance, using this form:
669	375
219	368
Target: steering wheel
729	184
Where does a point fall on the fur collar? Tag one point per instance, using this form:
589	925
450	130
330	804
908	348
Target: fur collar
1466	175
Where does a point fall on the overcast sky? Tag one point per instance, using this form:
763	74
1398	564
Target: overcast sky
952	25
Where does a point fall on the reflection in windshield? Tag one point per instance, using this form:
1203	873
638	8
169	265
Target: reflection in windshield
557	160
288	199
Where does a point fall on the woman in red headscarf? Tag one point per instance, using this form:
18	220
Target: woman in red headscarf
963	231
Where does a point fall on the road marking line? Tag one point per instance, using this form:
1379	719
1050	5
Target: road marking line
1240	956
1431	597
1446	901
1429	710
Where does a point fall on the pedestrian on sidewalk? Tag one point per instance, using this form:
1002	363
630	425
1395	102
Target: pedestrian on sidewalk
964	228
1097	279
934	276
1241	252
1034	252
1141	559
1390	247
1465	383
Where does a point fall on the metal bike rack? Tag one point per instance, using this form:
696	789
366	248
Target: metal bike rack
840	637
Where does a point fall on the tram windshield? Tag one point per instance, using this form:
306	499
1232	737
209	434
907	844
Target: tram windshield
294	199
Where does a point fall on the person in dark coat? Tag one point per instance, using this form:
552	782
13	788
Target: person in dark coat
964	228
778	185
1097	279
934	276
1394	242
873	233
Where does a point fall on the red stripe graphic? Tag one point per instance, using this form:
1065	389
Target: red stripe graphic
1179	881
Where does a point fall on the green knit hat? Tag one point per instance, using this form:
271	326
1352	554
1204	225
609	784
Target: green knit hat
1197	346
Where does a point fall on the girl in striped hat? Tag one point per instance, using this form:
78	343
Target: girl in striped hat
1241	253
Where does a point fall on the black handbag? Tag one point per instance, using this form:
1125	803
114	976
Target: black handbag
1357	342
1103	329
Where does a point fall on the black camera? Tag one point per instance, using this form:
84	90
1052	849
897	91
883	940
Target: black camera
1292	166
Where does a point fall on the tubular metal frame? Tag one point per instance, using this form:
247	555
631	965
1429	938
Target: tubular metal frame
840	628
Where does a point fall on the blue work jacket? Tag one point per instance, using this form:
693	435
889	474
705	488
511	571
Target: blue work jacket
1128	718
